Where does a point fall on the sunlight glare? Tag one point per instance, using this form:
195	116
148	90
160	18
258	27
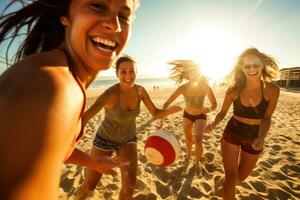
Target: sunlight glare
213	48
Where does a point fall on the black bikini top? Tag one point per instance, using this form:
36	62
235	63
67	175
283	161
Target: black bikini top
256	112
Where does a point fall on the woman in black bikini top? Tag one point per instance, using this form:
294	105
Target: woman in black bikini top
254	100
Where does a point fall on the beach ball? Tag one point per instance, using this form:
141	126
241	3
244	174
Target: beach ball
162	148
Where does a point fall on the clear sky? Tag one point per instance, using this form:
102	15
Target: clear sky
213	33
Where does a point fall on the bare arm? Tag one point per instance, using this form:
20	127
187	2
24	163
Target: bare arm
220	116
173	96
36	130
212	99
97	106
155	112
102	164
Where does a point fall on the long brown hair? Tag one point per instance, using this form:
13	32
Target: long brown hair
237	77
37	20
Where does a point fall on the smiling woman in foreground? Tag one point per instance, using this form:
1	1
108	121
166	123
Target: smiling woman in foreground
42	95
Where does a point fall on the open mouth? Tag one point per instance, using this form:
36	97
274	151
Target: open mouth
252	74
104	44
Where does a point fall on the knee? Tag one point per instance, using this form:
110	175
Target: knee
241	178
231	177
129	184
91	183
189	137
198	138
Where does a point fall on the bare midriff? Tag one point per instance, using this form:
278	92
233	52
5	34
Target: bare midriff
247	120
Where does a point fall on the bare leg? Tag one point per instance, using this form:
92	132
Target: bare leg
198	129
187	128
92	177
230	155
128	153
246	164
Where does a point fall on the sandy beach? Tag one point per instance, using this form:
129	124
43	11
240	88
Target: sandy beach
277	175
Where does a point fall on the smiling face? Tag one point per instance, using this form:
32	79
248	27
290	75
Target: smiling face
97	31
126	73
252	67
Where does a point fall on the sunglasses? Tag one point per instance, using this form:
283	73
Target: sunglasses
249	65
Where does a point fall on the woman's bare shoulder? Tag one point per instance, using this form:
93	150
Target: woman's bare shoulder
141	90
271	89
231	93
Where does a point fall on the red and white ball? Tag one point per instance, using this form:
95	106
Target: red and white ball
162	148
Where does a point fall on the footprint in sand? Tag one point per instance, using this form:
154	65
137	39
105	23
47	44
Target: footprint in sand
209	156
145	196
67	184
162	190
276	147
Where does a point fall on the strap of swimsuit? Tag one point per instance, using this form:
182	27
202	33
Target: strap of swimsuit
262	88
75	77
137	93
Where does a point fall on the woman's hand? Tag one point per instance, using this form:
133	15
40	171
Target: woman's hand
175	109
206	110
210	127
161	124
104	165
258	144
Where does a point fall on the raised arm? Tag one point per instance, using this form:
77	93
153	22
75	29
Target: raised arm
155	112
273	93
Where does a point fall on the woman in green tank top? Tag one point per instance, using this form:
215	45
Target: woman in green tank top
194	92
118	129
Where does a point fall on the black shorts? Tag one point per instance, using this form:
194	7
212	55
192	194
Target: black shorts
193	118
241	137
242	129
105	145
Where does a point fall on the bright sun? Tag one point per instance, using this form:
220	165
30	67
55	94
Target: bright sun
213	48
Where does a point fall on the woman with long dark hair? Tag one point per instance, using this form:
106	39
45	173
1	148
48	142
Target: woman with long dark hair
42	95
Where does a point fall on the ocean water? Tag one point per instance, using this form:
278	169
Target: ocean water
103	82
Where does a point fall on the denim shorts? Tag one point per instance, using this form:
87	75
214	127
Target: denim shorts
106	145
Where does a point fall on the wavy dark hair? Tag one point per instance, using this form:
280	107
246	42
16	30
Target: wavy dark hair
237	78
39	22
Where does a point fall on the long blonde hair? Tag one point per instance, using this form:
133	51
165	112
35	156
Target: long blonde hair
237	77
182	69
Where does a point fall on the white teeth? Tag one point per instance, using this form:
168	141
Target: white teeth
105	41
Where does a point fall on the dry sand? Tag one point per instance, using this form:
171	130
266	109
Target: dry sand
277	175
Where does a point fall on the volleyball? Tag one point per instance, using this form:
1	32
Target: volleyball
162	148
